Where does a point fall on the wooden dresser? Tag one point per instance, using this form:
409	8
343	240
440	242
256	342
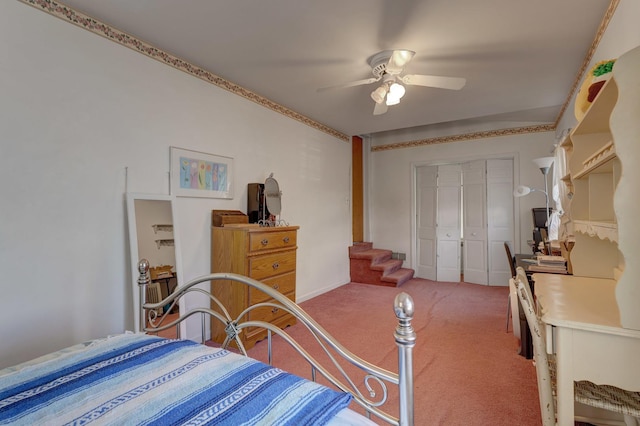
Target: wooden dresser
264	254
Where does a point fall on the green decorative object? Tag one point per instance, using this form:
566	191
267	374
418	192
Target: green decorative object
603	67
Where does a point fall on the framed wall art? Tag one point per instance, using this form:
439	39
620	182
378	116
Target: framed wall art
198	174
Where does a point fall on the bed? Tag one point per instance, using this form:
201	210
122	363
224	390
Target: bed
140	378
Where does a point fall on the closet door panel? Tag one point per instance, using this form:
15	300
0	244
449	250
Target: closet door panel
500	221
427	181
475	222
449	223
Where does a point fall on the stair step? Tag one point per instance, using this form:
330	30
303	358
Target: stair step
360	247
375	266
388	266
375	255
398	277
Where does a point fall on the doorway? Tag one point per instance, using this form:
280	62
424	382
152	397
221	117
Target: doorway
464	214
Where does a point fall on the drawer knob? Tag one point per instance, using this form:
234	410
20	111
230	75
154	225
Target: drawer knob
275	265
275	310
276	287
264	242
286	240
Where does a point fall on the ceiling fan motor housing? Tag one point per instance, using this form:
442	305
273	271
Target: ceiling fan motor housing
379	61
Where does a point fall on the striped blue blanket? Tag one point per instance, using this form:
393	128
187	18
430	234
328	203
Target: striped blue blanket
140	379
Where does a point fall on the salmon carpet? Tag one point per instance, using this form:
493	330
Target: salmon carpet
466	367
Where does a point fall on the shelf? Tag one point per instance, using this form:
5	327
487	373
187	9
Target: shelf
596	119
598	162
162	228
602	230
164	243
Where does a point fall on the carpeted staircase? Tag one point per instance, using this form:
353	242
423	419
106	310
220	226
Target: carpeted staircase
375	266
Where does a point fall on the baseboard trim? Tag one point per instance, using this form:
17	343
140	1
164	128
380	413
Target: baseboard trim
311	295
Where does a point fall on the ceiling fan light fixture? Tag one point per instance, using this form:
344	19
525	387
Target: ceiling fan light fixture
392	100
379	94
387	68
396	91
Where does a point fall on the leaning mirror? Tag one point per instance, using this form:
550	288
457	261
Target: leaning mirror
153	236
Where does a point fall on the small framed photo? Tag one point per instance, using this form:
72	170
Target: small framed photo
198	174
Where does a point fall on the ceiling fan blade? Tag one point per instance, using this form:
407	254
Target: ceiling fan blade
453	83
398	60
380	108
353	83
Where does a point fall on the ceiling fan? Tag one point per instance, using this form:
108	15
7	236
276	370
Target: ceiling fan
386	66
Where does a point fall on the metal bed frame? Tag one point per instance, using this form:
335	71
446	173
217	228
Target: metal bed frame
404	335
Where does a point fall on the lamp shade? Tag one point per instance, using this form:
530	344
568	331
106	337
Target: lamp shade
396	90
543	162
521	191
379	94
392	100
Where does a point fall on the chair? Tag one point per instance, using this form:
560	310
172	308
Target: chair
512	300
510	258
605	397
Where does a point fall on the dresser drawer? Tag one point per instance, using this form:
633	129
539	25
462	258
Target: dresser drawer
271	240
268	265
268	314
283	283
255	334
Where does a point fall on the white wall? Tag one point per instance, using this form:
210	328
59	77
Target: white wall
75	111
392	198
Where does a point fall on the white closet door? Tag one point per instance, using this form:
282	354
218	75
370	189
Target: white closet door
475	222
448	223
427	187
499	218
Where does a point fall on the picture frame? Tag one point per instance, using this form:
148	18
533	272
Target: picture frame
198	174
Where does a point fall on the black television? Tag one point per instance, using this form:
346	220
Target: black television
540	217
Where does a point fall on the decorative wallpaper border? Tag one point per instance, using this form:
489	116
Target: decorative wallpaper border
466	137
70	15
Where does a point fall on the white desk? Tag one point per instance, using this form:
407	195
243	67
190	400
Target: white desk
584	332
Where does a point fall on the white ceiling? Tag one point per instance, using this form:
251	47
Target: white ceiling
520	57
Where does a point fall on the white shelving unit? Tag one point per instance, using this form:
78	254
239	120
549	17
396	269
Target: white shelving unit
625	129
594	171
604	157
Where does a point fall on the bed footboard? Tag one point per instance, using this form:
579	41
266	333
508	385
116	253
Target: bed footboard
374	376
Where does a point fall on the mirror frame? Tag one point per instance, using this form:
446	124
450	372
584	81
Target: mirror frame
131	198
273	196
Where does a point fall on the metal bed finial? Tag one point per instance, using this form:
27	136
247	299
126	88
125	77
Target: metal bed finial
403	306
143	269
